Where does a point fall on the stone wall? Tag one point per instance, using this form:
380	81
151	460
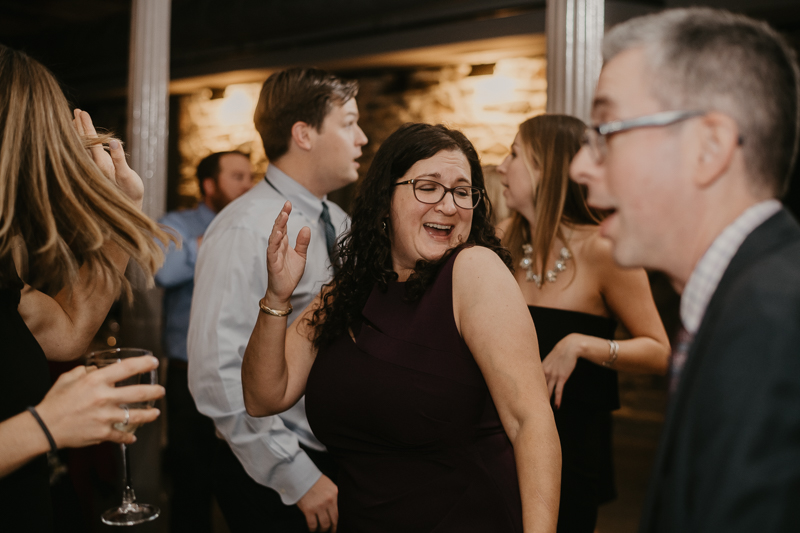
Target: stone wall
486	102
209	123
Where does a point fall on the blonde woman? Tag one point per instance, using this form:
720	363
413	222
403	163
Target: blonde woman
70	217
576	295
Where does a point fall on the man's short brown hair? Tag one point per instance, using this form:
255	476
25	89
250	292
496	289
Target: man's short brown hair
297	95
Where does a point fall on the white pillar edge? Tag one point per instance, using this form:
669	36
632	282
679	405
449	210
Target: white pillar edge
574	38
148	85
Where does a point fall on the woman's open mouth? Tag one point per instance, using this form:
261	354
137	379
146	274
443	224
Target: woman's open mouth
438	230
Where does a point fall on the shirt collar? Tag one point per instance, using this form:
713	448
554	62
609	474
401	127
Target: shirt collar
709	270
206	214
301	198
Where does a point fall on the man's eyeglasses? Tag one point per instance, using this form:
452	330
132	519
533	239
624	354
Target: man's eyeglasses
432	192
595	137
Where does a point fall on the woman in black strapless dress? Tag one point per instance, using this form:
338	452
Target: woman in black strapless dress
575	294
415	361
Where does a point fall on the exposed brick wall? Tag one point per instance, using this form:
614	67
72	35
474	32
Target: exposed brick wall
487	108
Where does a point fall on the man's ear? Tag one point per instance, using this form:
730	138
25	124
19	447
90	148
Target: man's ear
718	145
302	135
209	187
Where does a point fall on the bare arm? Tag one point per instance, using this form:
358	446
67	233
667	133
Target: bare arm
277	361
79	410
494	322
65	324
627	295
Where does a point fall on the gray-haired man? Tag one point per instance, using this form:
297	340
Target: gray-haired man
696	115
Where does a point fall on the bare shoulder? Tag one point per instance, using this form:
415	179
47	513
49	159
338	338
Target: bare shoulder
478	260
35	307
592	247
478	268
481	281
598	252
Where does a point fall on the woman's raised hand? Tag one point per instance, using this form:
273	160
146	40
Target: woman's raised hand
285	265
112	163
82	407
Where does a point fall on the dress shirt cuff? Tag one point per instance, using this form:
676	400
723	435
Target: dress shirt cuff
292	480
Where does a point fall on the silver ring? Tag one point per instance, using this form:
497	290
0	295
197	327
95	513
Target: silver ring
127	415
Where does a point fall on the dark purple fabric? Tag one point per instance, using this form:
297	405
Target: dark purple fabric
406	412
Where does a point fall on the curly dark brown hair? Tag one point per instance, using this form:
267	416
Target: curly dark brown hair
365	251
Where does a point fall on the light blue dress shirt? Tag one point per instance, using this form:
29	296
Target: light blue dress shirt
177	275
230	279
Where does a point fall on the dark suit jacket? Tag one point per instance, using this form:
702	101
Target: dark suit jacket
729	457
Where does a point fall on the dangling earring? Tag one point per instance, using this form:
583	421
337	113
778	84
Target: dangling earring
385	226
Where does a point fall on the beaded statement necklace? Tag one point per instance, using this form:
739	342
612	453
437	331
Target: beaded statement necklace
550	275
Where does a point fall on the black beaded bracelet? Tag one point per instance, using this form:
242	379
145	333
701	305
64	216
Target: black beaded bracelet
53	447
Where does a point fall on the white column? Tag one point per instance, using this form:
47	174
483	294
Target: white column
574	36
148	115
148	83
148	119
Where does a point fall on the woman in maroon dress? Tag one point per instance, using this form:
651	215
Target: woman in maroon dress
415	360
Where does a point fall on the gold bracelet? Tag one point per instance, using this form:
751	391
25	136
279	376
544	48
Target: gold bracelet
273	312
613	351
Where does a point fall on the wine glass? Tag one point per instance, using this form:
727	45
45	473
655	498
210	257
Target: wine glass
130	512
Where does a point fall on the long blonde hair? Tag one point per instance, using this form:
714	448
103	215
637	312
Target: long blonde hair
549	142
57	208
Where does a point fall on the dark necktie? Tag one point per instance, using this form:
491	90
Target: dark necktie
682	343
330	232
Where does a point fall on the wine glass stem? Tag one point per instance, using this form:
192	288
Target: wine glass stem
128	496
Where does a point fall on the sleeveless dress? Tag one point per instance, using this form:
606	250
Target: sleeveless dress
583	420
407	414
25	503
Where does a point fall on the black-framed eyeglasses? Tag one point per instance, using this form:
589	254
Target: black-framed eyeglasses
595	137
432	192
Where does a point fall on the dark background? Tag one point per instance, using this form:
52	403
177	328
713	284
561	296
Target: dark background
86	42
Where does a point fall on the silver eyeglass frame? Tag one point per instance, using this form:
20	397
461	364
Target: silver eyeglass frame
598	145
664	118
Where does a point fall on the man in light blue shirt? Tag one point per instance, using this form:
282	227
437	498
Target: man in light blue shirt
271	473
223	176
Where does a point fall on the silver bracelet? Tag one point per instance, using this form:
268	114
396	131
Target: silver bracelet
613	352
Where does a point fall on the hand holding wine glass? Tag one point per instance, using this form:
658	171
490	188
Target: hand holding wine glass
130	412
82	407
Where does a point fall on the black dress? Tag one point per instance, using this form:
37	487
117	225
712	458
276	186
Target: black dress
583	420
407	414
25	503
